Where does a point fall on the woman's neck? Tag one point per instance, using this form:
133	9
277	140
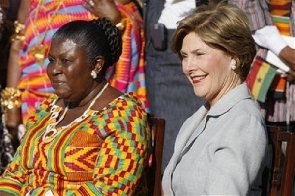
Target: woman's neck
91	95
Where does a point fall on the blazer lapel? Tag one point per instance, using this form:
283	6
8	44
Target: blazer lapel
187	129
193	137
185	135
221	107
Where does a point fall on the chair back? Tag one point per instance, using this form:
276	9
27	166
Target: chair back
154	174
283	165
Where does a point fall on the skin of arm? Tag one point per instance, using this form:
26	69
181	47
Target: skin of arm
13	73
287	55
108	9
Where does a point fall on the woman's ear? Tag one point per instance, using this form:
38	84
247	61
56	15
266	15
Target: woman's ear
99	64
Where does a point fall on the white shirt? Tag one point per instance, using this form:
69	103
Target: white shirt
174	11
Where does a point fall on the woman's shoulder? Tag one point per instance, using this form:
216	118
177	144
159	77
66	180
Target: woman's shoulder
129	99
126	104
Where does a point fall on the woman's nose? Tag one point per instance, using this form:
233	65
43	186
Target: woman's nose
54	68
188	65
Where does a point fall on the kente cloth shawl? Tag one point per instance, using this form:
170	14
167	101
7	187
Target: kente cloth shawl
282	108
102	154
127	75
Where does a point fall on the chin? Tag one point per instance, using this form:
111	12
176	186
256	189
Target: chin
197	92
59	94
200	94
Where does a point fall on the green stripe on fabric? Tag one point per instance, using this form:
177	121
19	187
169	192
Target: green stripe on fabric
281	19
268	78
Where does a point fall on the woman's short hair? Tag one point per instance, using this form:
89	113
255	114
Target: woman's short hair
221	26
98	37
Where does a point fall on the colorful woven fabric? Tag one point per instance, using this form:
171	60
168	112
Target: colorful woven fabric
280	11
45	19
129	73
104	154
280	7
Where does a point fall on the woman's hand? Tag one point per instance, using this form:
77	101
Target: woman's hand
13	120
104	8
13	116
287	55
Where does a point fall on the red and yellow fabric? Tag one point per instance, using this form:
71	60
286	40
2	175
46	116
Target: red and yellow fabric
129	73
46	16
283	24
105	153
280	11
280	7
278	86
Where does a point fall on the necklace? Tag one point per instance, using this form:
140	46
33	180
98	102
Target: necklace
39	49
51	129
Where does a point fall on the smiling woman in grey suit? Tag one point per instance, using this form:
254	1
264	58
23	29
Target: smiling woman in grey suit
220	149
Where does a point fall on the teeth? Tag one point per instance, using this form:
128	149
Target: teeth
198	77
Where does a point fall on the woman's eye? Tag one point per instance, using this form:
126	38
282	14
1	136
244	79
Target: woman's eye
183	56
65	61
199	53
51	60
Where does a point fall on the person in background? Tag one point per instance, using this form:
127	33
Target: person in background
88	138
8	11
221	148
169	93
268	36
27	82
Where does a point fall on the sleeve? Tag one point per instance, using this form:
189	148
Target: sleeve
123	154
14	176
239	155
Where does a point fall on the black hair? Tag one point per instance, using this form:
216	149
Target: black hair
97	37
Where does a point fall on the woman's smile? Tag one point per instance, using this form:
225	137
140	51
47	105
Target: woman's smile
198	78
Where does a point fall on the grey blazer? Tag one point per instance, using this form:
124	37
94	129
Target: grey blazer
221	154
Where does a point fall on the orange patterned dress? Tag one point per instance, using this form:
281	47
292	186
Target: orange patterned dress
102	153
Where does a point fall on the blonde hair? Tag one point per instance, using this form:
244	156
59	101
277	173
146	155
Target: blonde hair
221	26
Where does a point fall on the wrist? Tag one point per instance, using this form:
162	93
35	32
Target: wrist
287	56
10	98
18	31
121	25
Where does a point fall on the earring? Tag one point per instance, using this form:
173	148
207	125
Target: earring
93	74
233	67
